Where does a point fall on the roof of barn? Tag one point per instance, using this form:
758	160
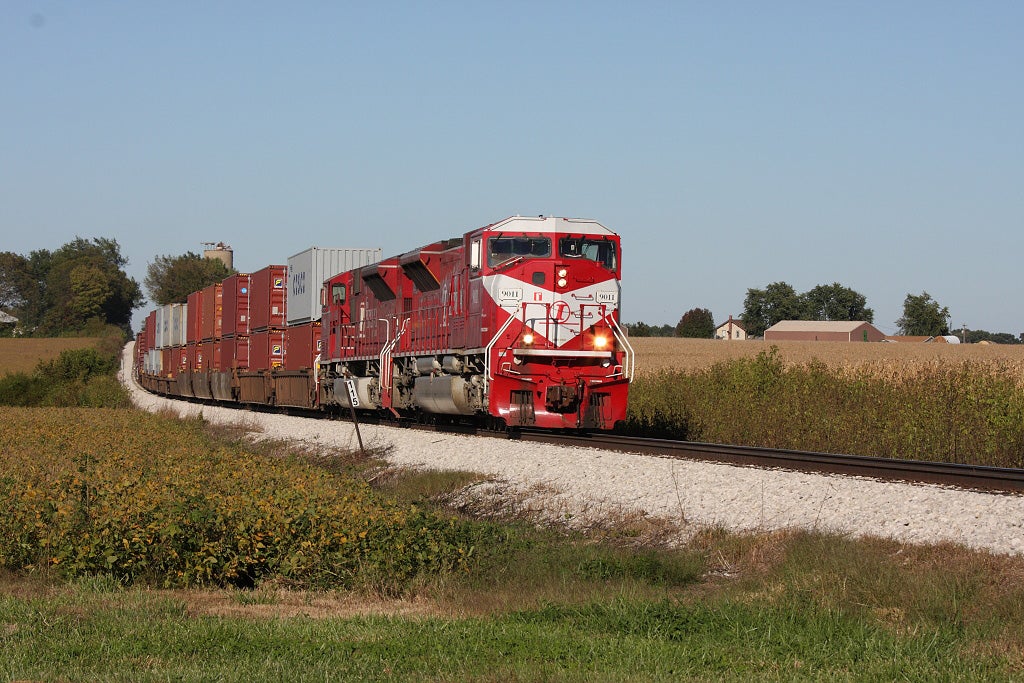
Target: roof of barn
817	325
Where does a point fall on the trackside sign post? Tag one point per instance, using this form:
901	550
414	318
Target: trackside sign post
353	403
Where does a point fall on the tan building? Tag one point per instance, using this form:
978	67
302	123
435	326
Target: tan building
823	330
731	329
947	339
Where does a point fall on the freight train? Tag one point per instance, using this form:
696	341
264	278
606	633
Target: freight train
515	324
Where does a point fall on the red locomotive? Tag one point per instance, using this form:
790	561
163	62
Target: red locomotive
516	322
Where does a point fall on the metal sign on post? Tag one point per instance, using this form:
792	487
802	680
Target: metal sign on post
353	397
353	402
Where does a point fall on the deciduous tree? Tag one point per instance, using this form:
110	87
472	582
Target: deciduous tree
697	323
170	279
923	316
835	302
762	308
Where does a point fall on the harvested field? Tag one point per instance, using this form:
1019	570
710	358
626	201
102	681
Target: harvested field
656	354
22	355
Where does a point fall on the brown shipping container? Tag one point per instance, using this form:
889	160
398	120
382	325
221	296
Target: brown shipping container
140	348
193	331
210	322
267	298
266	349
228	352
167	362
204	355
215	351
301	345
181	359
195	357
151	330
235	304
234	352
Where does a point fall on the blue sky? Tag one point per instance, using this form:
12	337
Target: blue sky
731	144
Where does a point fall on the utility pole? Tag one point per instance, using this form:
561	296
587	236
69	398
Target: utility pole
963	332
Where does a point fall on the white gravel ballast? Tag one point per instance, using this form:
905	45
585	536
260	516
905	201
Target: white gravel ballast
581	486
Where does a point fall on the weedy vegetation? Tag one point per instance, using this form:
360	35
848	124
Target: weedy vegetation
67	372
23	354
939	406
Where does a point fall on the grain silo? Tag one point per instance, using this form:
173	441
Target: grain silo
220	251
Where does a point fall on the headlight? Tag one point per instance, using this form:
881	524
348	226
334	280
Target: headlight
600	342
528	338
562	272
562	282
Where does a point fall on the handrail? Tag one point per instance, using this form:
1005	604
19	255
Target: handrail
488	376
620	336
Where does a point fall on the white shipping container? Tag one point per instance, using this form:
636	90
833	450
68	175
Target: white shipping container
163	327
179	317
307	271
154	362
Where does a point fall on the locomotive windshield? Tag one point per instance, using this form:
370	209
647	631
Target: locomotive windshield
592	248
504	249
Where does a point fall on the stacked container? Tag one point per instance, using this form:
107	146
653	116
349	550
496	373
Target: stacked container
267	300
233	351
308	270
302	345
169	333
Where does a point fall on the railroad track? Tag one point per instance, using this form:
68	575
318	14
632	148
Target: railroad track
976	477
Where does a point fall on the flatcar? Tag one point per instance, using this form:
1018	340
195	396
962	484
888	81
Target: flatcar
515	324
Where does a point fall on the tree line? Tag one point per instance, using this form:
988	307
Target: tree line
82	288
763	307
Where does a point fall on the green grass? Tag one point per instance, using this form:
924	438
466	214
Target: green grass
87	633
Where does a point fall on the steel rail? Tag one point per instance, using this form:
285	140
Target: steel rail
978	477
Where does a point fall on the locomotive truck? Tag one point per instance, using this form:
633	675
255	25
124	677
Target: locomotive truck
515	324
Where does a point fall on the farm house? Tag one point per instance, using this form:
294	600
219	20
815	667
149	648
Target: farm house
823	330
731	329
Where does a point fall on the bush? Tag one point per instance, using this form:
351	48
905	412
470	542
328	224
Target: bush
148	499
78	377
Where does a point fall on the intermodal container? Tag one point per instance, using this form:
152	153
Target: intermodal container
267	298
179	320
235	304
193	331
195	357
307	271
163	327
301	346
205	356
266	349
154	361
167	362
151	330
179	360
234	352
211	320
